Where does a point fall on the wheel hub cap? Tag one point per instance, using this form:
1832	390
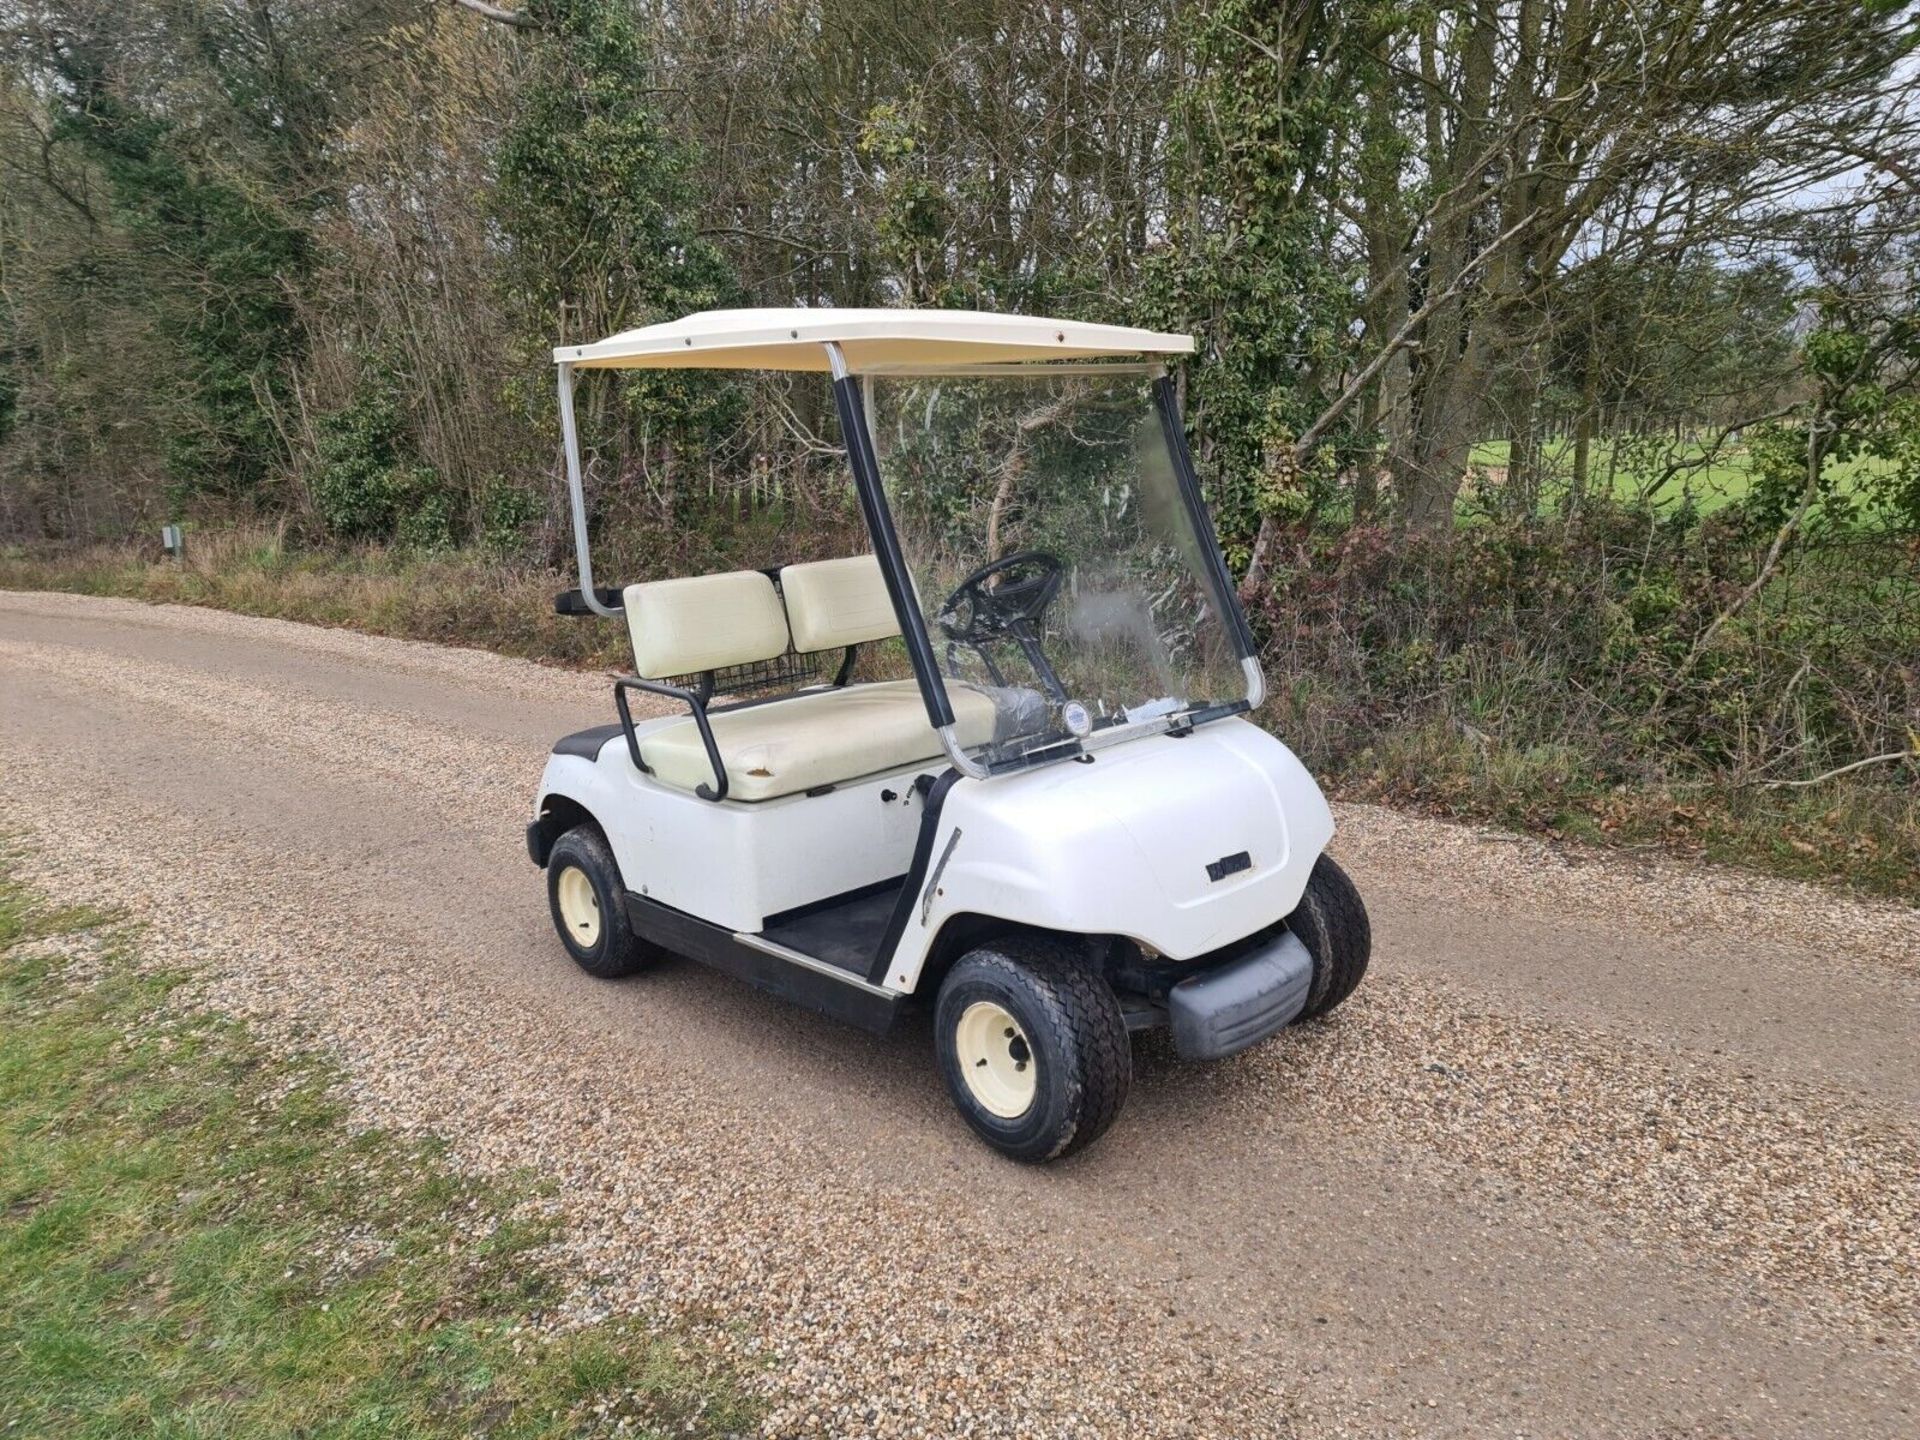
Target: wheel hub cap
996	1059
579	907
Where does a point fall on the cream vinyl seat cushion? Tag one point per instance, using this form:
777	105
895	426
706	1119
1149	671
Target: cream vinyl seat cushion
835	603
703	622
822	737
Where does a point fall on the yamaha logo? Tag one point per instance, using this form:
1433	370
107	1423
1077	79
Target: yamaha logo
1229	865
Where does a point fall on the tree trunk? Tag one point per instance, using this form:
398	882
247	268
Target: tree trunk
1523	450
1448	379
1366	476
1526	391
1583	436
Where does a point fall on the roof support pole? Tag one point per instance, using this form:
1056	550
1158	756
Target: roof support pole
577	494
893	565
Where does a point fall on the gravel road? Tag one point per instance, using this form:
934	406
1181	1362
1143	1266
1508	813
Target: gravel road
1603	1146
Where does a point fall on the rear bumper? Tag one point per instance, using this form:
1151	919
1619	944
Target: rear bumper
1240	1003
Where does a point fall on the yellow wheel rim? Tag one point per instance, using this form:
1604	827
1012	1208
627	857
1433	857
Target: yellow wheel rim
996	1060
579	907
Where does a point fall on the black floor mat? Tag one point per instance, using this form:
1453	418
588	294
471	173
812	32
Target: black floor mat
844	933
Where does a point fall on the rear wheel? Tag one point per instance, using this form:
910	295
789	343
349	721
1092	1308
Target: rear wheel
1033	1047
588	901
1332	923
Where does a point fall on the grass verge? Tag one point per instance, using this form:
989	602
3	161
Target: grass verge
1863	838
194	1243
449	598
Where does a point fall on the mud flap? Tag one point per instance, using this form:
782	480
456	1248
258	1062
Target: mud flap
1242	1002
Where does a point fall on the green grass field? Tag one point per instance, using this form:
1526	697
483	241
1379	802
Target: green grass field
1710	487
194	1244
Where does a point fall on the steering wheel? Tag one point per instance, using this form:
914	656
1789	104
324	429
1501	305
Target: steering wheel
1025	584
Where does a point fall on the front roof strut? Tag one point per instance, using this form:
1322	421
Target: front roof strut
893	566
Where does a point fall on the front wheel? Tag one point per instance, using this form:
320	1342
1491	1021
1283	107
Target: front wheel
1332	923
1033	1047
588	901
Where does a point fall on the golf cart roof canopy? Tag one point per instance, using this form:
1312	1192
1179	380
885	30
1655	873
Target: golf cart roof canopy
796	339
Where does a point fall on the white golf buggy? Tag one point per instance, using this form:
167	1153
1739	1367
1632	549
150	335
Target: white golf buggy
1055	821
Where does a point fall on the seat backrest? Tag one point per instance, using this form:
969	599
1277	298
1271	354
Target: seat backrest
704	622
832	604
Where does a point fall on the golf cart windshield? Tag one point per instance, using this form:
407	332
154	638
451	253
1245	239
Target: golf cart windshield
1058	565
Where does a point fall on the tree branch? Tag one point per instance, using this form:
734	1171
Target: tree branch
499	13
1815	454
1305	445
1711	451
1886	759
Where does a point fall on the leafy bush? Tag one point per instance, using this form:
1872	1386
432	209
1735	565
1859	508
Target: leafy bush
368	485
1541	672
1543	635
507	511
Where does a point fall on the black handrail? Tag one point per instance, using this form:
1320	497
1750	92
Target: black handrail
697	701
694	702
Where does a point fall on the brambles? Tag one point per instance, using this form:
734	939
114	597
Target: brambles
1513	672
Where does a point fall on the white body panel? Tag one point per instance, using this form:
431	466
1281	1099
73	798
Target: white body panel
734	863
1118	846
1121	846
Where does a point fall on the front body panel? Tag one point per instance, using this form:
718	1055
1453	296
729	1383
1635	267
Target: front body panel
1130	844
